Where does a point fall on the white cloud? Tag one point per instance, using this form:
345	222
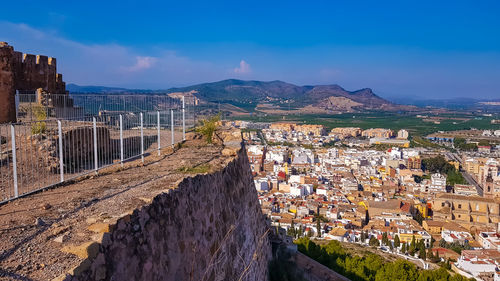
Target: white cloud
142	63
110	64
244	68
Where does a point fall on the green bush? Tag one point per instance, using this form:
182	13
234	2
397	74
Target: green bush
209	127
39	127
461	144
439	164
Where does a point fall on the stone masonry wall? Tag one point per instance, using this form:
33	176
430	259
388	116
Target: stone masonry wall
314	271
209	228
25	72
7	91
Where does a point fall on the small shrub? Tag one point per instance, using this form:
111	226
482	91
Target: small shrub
178	146
209	127
40	126
201	169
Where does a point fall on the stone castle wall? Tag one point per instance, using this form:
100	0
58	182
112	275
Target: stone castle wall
25	72
209	228
7	90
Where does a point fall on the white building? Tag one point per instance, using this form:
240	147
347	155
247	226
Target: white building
395	153
403	134
321	191
295	178
489	240
297	190
477	262
261	184
301	190
451	236
407	153
276	155
438	182
255	149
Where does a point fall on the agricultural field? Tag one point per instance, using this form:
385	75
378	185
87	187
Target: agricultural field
419	126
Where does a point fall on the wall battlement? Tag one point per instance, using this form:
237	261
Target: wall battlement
25	72
25	58
52	61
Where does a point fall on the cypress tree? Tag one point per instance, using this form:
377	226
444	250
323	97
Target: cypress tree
421	253
413	246
397	242
385	239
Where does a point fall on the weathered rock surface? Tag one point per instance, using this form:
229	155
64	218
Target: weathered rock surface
7	91
209	228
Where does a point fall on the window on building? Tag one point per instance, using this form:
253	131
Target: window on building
477	207
460	206
442	204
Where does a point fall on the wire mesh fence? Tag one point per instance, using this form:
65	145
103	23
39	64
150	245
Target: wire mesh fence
32	105
39	153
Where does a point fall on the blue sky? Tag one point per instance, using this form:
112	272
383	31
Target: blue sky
398	48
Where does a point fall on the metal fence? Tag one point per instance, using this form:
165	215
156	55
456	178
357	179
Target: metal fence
38	154
30	106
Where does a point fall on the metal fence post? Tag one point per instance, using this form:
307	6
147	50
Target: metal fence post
121	140
14	159
61	156
172	125
17	103
183	120
194	114
142	138
159	139
96	163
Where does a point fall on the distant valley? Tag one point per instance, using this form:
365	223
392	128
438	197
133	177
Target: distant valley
277	97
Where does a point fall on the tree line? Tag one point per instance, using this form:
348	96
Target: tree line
370	267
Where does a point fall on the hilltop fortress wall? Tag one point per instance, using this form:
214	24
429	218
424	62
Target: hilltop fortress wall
25	72
209	228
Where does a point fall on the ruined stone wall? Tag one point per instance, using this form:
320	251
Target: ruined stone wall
209	228
25	72
7	91
32	72
312	270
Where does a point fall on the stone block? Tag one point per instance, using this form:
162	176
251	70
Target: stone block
101	227
85	250
82	267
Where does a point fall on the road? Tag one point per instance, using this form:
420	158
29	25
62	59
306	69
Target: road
466	175
417	261
407	257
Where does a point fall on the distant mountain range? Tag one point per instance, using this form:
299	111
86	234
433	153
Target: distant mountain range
458	103
73	88
271	97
